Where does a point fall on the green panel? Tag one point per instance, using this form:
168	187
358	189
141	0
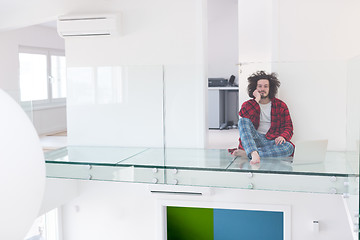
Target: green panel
184	223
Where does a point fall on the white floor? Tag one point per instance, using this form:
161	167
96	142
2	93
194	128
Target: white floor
223	139
51	142
217	139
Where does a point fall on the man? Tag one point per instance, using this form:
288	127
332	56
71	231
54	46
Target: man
265	125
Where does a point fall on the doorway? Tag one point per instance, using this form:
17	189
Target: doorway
223	91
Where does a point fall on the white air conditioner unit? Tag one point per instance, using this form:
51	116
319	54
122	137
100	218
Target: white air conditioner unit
88	26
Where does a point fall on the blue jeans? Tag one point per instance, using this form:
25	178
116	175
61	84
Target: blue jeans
251	141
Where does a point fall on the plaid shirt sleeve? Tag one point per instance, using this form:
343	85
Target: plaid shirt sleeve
251	110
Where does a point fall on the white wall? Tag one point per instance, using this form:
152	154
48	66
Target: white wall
109	210
119	106
58	192
168	33
311	44
223	36
257	25
45	120
257	39
17	13
318	30
315	86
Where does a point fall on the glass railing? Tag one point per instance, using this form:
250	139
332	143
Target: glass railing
199	167
147	124
352	135
139	107
119	105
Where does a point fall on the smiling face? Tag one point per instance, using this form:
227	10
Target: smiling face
263	87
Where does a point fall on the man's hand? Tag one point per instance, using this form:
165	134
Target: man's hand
257	96
279	140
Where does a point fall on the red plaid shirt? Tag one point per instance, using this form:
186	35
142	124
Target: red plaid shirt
281	124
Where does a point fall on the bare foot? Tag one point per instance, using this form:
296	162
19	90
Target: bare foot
255	158
239	153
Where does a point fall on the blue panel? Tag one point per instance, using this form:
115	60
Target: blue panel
245	224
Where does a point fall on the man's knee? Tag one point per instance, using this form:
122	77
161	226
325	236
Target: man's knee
243	121
290	148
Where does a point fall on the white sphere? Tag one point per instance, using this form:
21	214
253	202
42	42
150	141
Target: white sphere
22	170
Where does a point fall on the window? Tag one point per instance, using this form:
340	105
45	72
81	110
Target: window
42	76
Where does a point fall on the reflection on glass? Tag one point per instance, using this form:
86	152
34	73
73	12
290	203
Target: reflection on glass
96	85
122	105
33	76
267	164
109	85
81	86
58	76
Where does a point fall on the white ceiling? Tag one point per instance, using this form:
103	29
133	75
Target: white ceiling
51	24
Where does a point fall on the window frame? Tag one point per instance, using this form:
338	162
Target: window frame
50	102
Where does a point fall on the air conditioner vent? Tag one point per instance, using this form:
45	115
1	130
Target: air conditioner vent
81	19
89	26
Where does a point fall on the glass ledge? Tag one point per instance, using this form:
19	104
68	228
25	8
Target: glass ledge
203	167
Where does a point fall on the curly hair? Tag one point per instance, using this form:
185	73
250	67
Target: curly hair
255	77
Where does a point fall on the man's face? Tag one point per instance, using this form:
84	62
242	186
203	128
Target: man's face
263	87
